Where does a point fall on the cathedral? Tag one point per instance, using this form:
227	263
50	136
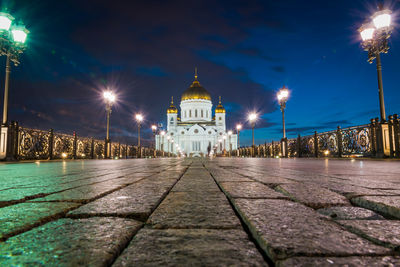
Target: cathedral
196	132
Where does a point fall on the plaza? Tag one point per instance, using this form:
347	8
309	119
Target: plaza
202	212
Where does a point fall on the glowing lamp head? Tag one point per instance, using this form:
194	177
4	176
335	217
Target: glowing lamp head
109	96
168	137
283	94
238	127
230	132
64	155
162	133
252	117
153	127
19	34
5	21
139	117
382	19
367	32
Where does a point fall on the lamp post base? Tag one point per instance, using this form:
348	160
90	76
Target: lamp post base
3	142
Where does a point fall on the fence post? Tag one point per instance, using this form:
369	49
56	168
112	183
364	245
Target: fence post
373	139
74	146
51	144
12	141
390	126
316	145
298	146
379	139
339	141
92	149
396	132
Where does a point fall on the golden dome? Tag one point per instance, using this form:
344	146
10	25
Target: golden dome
220	108
172	108
196	91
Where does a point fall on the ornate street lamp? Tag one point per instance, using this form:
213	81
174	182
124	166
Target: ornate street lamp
238	128
252	119
109	98
12	45
283	96
139	119
375	35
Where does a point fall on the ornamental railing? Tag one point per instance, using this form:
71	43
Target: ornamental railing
33	144
370	140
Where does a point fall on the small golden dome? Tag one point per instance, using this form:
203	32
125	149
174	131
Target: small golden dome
196	91
172	108
220	108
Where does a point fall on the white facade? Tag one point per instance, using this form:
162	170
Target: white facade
195	132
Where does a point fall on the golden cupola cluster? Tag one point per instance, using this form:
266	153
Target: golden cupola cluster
196	91
172	108
220	108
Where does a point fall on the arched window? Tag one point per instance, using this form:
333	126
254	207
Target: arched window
207	113
195	113
190	113
220	118
202	115
184	114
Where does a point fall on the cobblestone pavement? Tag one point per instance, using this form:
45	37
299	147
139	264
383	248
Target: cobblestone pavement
219	212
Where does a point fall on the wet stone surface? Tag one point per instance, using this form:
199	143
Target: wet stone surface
285	229
137	200
190	247
194	210
16	218
389	205
350	213
342	261
249	190
385	232
312	195
223	211
66	242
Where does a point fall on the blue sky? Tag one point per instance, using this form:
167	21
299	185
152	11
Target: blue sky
245	51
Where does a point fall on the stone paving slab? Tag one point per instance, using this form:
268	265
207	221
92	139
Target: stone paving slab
249	190
190	247
137	200
389	205
312	195
16	218
81	194
225	176
350	213
66	242
384	232
196	183
189	210
351	191
286	229
389	261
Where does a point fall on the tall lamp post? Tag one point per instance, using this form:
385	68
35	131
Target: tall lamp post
109	97
154	129
139	119
282	96
12	45
238	128
375	37
252	119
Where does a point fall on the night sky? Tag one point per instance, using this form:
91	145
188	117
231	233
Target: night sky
146	51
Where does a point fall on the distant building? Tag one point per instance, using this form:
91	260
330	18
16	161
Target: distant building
196	132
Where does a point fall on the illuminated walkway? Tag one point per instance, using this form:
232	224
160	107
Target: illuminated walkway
225	211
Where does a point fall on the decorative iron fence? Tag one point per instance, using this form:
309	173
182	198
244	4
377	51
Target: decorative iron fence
376	139
33	144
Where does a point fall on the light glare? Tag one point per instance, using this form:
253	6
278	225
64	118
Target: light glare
252	117
19	34
238	127
382	20
367	34
139	117
5	21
